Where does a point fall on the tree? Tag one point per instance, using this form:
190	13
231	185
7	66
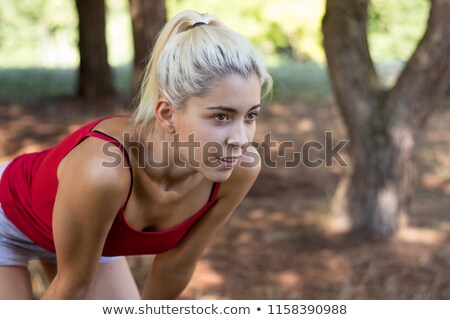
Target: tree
147	18
94	80
382	124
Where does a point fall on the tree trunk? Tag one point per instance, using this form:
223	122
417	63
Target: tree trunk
148	17
382	125
94	80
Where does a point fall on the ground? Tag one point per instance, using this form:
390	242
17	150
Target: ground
283	242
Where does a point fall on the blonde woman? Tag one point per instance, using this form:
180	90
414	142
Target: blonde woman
161	181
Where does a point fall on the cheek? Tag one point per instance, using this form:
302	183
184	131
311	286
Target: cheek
184	128
250	132
207	133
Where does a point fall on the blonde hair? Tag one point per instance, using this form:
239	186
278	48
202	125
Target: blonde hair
192	53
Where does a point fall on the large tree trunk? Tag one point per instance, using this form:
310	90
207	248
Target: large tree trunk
382	125
94	79
148	17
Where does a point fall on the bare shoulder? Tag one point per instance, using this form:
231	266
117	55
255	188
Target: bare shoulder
243	176
89	175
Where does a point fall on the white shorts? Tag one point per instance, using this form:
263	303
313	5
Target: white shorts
16	249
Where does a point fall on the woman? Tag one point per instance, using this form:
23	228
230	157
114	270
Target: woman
161	181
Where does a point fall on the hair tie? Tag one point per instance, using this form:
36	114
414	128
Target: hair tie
198	24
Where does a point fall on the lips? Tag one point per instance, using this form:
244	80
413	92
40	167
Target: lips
228	159
229	162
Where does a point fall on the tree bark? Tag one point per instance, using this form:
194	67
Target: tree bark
382	125
148	17
94	77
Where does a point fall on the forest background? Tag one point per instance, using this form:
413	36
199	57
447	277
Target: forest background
284	242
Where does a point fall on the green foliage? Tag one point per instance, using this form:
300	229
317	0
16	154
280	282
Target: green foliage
306	81
31	84
395	27
293	80
293	27
44	32
37	32
119	32
290	27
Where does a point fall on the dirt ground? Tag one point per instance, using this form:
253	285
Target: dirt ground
283	242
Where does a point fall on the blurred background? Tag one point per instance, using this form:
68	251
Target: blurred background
375	229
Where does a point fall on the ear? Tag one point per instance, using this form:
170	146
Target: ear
164	115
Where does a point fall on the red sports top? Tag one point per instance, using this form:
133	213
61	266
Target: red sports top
28	190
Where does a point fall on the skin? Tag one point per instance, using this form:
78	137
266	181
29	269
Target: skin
161	197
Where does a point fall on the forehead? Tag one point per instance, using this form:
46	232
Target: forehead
232	91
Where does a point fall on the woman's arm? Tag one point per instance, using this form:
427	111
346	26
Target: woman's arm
88	198
171	271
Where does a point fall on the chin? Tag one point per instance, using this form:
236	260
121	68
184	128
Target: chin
218	177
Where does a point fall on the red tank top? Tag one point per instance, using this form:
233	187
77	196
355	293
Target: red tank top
28	190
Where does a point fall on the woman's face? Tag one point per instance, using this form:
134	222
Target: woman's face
212	132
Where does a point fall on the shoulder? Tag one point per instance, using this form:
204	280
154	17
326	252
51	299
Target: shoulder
243	176
90	174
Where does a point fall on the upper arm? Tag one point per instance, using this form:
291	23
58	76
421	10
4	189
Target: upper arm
88	198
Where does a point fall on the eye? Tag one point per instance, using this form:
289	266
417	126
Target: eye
252	116
221	117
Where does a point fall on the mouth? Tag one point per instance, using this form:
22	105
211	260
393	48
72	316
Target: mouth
229	162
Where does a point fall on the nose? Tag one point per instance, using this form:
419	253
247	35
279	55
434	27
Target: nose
238	137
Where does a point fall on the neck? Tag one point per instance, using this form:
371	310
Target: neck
160	160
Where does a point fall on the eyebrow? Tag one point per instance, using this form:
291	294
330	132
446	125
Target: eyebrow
229	109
